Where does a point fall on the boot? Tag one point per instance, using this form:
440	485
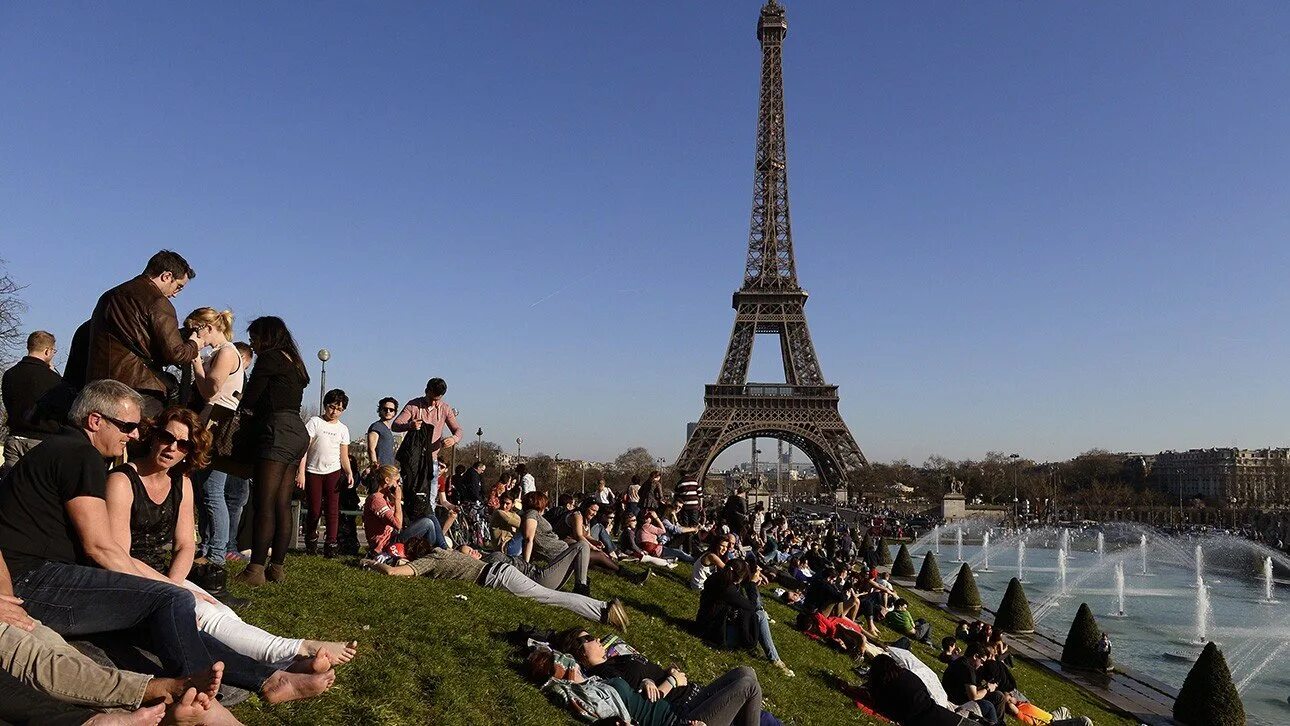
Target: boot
276	573
583	589
329	551
311	547
252	576
216	583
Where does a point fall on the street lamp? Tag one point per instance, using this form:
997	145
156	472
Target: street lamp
519	442
324	355
557	477
479	444
1016	513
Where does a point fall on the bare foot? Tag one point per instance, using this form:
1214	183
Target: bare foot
219	716
150	716
338	651
284	686
171	690
189	710
320	663
207	682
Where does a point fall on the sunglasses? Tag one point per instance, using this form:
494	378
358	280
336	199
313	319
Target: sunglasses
587	638
387	410
126	427
165	438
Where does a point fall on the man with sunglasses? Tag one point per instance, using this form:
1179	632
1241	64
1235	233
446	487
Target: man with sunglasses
64	563
380	438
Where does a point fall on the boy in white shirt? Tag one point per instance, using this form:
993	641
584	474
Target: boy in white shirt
324	471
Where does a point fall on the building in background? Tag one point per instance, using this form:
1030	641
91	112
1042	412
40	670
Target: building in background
1251	477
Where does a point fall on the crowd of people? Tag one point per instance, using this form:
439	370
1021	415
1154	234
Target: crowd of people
126	486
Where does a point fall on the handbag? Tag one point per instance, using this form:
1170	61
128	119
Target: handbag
232	447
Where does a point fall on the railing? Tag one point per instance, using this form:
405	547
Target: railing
772	390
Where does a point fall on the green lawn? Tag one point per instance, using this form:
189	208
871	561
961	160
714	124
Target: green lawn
426	657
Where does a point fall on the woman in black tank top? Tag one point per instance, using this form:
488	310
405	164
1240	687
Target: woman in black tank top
153	523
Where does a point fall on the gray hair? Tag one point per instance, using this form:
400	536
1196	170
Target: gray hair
107	397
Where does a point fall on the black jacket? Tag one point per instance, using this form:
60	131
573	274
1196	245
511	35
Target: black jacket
35	399
414	460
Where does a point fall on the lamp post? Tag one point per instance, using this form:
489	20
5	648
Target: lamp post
479	444
584	477
324	355
1016	512
519	456
557	477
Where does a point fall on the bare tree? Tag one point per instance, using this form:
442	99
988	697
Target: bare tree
11	309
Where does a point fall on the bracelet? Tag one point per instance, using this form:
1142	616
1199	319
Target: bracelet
672	679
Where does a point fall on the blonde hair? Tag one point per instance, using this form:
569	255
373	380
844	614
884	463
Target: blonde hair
388	473
222	320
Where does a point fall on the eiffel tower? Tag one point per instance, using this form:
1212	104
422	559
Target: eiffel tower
804	409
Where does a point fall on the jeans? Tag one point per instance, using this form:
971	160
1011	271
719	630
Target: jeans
215	513
236	493
734	698
681	555
322	491
428	529
601	535
575	560
74	600
763	634
505	577
42	661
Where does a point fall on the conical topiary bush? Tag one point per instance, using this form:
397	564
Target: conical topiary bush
964	595
904	566
1208	696
884	552
929	578
1014	611
1080	650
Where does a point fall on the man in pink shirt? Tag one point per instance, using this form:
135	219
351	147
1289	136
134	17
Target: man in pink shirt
430	410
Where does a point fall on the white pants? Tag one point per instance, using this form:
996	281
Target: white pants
221	623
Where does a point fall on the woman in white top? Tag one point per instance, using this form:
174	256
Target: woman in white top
324	471
711	561
217	377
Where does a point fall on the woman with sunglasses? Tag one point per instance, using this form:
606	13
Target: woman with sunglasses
150	511
734	698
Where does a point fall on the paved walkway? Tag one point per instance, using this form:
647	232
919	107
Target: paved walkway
1146	699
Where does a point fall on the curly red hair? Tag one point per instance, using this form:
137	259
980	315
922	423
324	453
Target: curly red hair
199	457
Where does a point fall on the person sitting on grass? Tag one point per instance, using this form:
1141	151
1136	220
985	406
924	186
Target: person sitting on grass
629	545
465	563
150	509
41	672
731	615
600	700
541	541
964	684
901	696
709	562
732	690
602	531
949	650
505	523
996	670
900	620
575	526
383	518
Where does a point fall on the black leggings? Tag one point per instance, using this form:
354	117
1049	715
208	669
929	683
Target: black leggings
275	482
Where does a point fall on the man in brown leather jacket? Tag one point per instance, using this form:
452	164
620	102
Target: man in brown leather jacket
134	332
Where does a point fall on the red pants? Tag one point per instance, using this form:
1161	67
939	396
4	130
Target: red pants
322	496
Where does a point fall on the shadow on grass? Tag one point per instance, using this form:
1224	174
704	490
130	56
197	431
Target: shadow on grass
685	625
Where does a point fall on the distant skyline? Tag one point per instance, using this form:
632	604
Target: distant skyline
1035	228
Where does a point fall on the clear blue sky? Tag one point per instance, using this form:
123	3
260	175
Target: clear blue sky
1032	227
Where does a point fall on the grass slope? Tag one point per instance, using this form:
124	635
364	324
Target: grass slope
427	657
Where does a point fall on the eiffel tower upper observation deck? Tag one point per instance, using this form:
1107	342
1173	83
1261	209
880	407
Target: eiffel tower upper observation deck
803	410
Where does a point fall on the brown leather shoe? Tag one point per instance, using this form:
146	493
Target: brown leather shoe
253	576
276	573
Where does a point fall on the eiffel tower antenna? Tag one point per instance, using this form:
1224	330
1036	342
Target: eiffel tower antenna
803	410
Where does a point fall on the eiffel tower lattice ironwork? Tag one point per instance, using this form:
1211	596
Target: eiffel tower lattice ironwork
804	409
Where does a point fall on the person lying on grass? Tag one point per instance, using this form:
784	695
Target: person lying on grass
150	513
846	634
611	700
654	682
899	620
465	563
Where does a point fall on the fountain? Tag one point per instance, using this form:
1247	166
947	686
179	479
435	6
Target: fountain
936	539
1142	548
1119	587
1202	609
1267	580
1064	541
1200	568
1021	561
1101	545
985	553
958	543
1061	571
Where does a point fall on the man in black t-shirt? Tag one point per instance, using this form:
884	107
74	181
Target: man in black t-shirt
56	539
963	684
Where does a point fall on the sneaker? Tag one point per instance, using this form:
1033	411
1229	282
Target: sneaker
616	615
236	557
1061	713
637	578
783	668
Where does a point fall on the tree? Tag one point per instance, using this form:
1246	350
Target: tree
1080	650
904	566
11	309
1014	615
636	460
1208	695
884	551
929	578
964	595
